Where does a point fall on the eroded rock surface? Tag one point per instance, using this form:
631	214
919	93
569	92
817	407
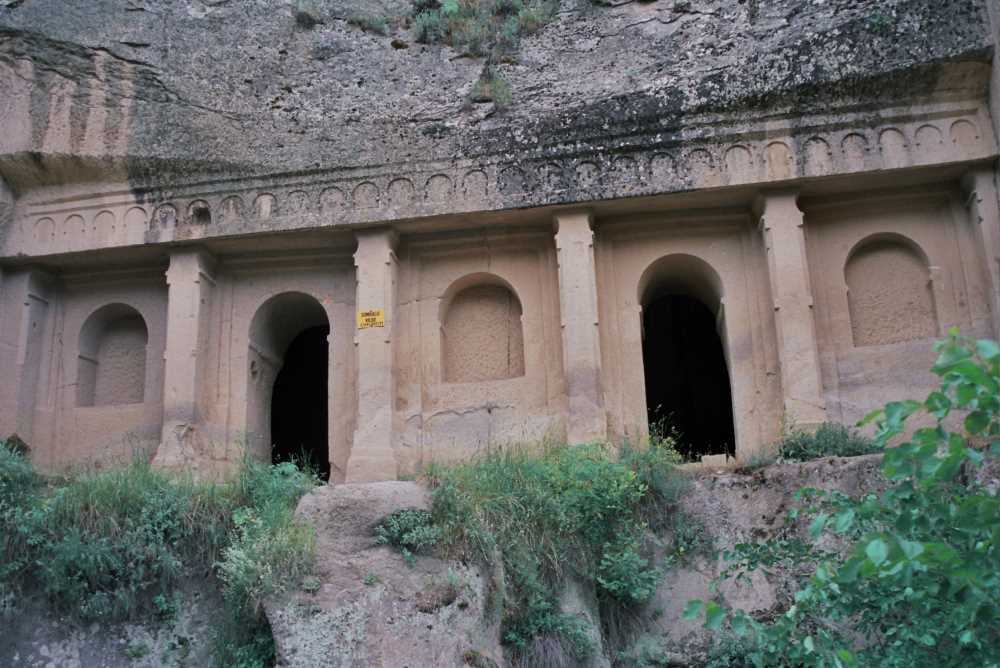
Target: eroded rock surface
185	86
372	608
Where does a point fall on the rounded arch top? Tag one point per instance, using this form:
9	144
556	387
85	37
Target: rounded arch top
476	279
282	317
888	239
681	274
104	317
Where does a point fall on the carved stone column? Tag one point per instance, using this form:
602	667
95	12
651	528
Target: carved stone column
781	223
190	283
587	420
24	308
372	457
984	210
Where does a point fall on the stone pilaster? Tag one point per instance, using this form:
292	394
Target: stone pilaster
372	457
586	420
24	309
781	223
984	210
190	283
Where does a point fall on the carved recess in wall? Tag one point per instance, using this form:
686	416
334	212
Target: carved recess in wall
10	84
621	168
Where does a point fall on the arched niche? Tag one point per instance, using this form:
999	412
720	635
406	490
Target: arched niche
111	358
482	333
686	372
287	368
889	291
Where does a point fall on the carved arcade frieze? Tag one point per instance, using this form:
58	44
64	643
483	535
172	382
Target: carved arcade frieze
616	167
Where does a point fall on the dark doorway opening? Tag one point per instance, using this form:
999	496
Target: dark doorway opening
687	382
299	403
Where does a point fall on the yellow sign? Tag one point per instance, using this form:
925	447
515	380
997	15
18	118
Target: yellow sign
373	318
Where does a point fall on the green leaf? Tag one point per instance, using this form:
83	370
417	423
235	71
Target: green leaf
844	520
949	356
976	422
871	417
714	615
910	549
693	609
809	645
877	551
965	637
987	349
817	525
938	404
739	625
897	411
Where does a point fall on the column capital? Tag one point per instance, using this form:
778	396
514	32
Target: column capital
769	201
575	217
190	259
976	179
370	235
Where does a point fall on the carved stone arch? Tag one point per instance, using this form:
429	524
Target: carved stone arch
482	333
111	357
685	356
889	291
277	327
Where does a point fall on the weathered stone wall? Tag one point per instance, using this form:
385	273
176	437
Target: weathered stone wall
820	175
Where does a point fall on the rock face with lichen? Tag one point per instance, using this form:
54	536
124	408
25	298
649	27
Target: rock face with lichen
164	92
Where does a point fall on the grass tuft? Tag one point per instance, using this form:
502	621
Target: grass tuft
553	512
829	440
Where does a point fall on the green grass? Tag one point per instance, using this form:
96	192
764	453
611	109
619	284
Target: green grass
554	512
829	440
115	544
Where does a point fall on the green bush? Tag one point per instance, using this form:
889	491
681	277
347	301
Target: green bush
829	440
555	512
479	28
919	583
411	530
370	23
114	544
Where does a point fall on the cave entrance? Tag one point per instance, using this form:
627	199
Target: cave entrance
287	381
299	413
687	377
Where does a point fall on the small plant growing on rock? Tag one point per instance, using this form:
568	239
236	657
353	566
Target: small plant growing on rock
369	23
829	440
311	585
411	530
491	87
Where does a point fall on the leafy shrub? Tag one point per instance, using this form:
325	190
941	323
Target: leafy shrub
919	584
411	530
625	575
17	479
114	544
369	23
829	440
552	513
491	28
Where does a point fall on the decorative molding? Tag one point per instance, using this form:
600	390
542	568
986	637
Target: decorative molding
743	155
